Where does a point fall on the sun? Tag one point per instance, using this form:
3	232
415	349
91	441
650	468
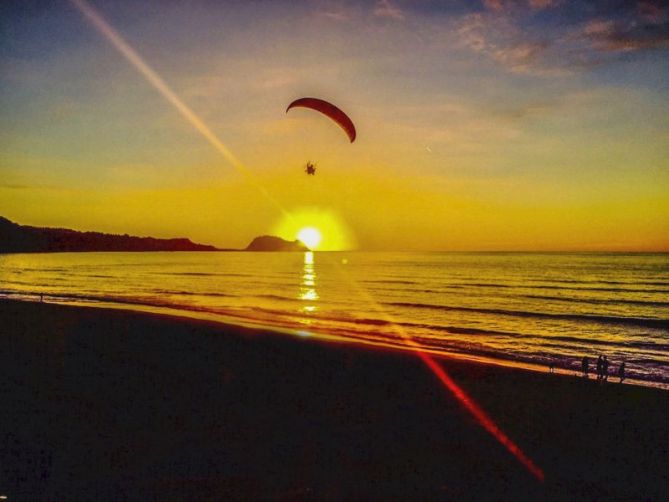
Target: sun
310	236
318	228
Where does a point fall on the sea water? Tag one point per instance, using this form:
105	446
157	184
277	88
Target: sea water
535	309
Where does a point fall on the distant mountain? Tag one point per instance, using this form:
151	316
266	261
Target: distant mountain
271	243
15	238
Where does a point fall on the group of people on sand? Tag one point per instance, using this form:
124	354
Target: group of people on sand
602	368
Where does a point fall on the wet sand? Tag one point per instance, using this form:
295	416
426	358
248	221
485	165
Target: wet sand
99	404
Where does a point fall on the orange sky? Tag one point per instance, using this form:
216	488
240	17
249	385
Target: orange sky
474	132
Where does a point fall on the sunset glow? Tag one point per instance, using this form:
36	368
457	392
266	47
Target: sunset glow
310	236
317	228
513	127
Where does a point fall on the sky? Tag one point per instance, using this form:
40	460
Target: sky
494	125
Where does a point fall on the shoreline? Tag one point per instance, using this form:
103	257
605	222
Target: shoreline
228	321
119	404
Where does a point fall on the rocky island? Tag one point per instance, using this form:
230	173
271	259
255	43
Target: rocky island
271	243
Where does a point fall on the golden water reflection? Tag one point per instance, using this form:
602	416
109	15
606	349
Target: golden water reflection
308	292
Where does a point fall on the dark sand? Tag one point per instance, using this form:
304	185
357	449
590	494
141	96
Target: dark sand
112	405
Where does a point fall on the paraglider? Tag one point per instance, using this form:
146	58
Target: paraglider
329	110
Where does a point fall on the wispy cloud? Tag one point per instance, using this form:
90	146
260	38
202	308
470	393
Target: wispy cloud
495	5
509	5
524	57
385	8
505	42
586	35
615	36
652	11
335	11
336	15
543	4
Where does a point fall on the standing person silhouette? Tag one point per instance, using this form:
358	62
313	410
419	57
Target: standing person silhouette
600	363
585	362
621	371
605	368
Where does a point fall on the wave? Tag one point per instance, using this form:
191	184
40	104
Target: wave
86	298
45	269
464	285
611	343
548	286
461	330
632	321
615	290
651	362
639	371
191	293
598	301
202	274
470	331
605	281
388	281
282	298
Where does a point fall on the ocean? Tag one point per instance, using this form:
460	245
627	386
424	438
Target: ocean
526	309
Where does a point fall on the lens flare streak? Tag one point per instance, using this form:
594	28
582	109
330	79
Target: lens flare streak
166	91
481	416
465	400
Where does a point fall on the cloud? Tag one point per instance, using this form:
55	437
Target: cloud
336	11
652	12
384	8
577	36
509	5
494	5
336	15
543	4
502	40
622	26
521	57
506	6
614	36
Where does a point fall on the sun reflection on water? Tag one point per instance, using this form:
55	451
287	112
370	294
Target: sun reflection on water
308	291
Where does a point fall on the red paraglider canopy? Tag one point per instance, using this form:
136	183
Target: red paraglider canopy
329	110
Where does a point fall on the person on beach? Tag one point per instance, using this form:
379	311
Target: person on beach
605	368
600	364
621	371
584	366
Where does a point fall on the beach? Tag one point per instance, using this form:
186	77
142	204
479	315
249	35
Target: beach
107	404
